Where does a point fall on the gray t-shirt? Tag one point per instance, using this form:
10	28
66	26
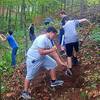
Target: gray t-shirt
41	41
70	32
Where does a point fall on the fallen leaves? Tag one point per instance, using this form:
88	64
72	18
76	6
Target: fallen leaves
87	85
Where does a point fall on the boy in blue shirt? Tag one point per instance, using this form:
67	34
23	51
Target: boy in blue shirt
13	44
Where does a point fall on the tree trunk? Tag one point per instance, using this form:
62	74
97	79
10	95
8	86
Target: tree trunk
7	13
64	4
9	20
16	17
83	7
22	14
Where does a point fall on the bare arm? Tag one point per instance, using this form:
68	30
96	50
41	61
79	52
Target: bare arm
53	53
83	20
56	57
46	51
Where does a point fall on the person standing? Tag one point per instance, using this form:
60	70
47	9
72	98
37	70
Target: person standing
64	17
14	45
71	41
31	32
48	20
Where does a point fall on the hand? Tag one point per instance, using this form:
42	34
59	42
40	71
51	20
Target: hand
54	48
62	48
64	64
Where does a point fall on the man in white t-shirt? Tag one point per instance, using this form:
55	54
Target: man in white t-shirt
71	40
38	56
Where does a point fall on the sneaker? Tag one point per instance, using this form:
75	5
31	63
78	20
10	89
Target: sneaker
57	83
68	72
25	95
75	61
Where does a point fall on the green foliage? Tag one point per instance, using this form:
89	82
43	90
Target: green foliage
3	88
5	56
93	2
83	95
5	63
3	25
2	63
96	34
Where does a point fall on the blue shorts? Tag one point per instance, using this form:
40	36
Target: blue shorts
33	66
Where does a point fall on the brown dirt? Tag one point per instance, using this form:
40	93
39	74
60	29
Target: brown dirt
74	88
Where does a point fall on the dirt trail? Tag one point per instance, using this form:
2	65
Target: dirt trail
40	86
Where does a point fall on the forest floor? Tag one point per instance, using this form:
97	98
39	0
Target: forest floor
83	85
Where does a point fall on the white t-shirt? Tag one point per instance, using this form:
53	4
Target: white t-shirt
41	41
70	32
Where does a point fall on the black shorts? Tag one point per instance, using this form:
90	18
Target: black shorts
70	47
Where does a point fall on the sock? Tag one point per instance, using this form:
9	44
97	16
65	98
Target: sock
53	81
69	68
74	57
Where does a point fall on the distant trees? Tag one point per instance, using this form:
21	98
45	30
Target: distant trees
16	13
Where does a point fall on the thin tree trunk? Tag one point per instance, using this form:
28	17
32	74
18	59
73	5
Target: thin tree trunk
16	17
64	4
22	19
9	20
72	6
83	7
7	13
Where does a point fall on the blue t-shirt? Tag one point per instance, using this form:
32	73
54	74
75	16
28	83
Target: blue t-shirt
12	42
70	32
41	41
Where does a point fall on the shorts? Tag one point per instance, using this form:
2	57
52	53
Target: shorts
70	47
33	66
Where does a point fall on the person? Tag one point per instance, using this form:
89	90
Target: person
38	56
31	32
71	41
48	20
13	44
64	18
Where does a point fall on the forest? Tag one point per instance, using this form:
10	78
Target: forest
16	16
